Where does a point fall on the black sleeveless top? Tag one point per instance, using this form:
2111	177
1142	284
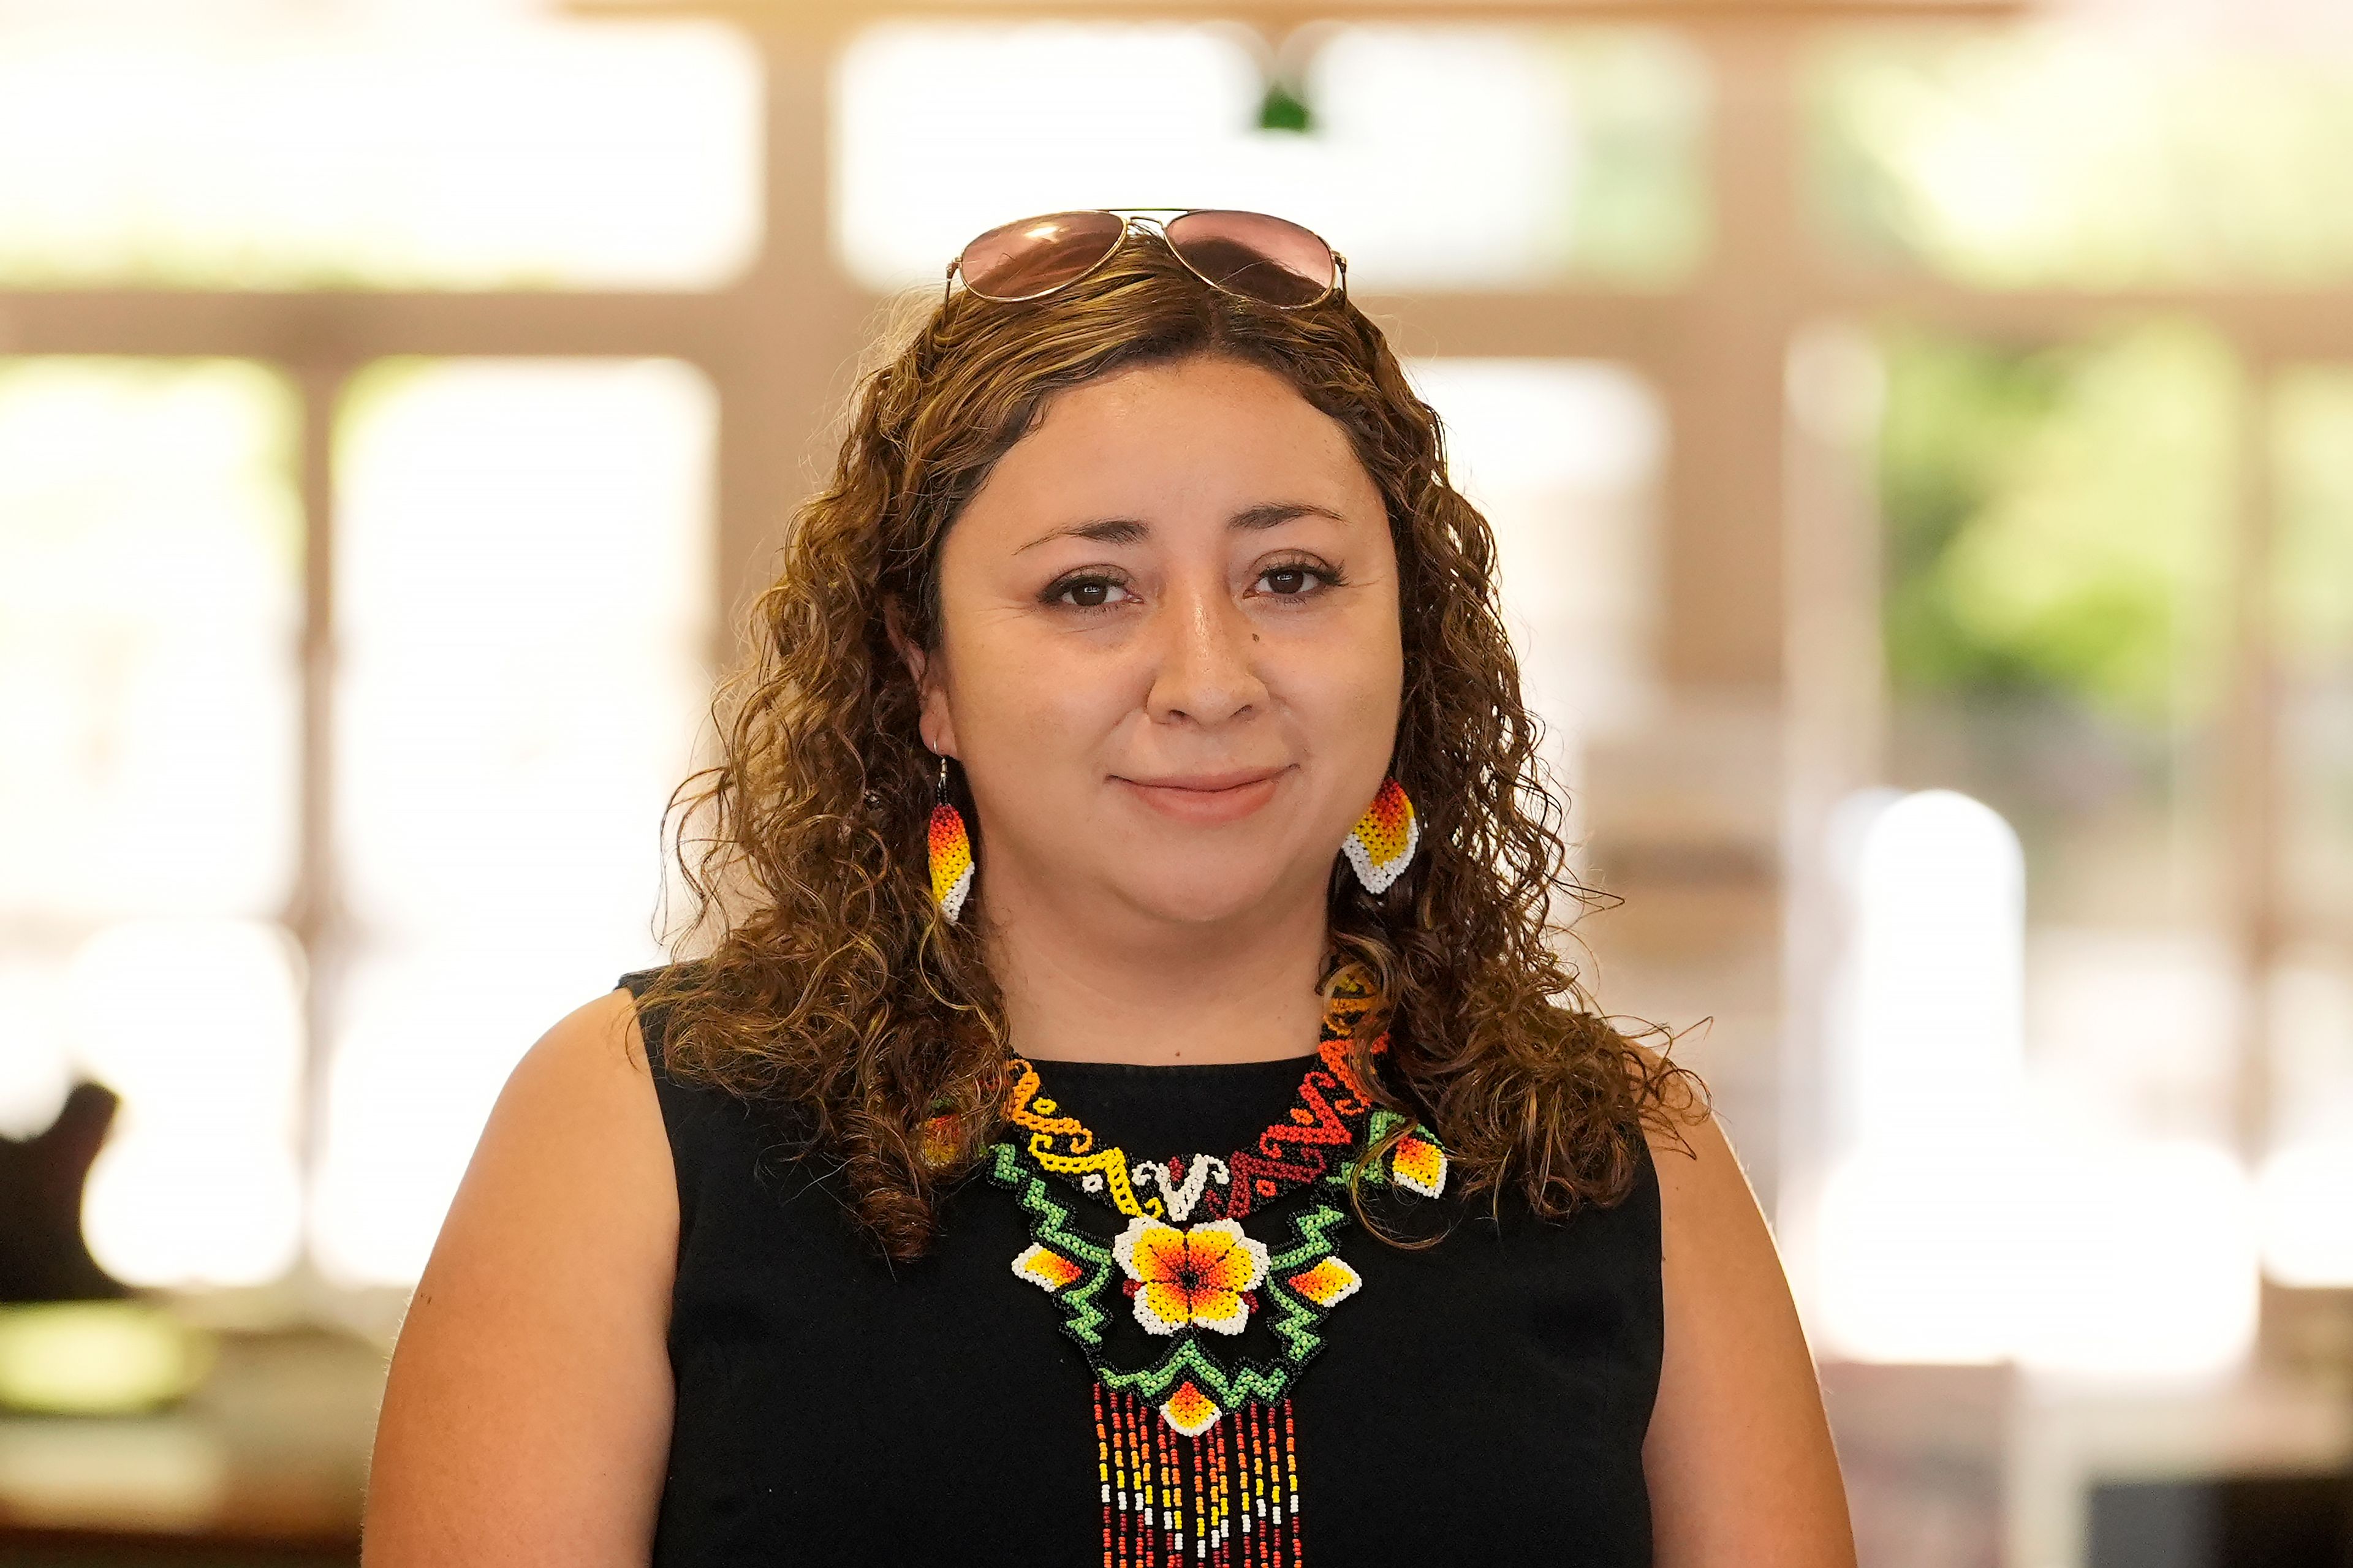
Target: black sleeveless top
1482	1401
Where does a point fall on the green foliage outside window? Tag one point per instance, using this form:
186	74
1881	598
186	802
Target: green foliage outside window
2056	517
2024	156
1643	106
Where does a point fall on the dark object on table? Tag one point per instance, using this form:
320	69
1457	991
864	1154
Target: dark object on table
2224	1522
42	1257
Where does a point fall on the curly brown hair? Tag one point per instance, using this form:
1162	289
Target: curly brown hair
829	984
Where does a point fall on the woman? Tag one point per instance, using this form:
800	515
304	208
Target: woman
1044	922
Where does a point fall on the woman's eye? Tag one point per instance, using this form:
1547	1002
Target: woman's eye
1291	581
1085	593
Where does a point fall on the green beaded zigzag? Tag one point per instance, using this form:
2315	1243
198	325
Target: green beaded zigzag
1296	1320
1376	1174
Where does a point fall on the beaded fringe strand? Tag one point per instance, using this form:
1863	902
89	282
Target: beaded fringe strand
1226	1498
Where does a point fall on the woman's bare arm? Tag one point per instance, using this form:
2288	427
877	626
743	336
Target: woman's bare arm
1738	1459
527	1415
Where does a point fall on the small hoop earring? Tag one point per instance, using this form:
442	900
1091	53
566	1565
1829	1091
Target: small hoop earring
1381	846
951	850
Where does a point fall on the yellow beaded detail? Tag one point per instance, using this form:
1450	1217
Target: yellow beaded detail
951	849
1382	843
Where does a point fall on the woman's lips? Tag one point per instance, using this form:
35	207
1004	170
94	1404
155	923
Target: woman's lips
1209	798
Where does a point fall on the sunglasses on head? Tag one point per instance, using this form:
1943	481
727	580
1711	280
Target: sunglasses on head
1270	259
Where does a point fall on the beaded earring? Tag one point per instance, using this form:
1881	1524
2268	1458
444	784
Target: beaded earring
952	865
1382	843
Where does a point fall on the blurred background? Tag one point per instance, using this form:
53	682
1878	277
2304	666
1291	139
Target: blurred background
1921	437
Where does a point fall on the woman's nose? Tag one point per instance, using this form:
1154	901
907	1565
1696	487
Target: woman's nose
1207	669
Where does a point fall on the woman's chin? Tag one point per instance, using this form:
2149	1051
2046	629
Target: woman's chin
1202	895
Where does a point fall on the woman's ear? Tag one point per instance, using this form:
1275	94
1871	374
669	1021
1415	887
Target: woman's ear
894	627
930	698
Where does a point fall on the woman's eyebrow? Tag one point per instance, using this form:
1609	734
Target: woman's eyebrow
1135	530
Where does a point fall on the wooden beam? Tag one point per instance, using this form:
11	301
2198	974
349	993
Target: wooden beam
1640	328
832	17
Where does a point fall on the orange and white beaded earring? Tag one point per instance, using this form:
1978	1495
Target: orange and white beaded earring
1382	843
951	850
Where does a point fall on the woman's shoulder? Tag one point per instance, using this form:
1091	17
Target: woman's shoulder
641	992
1698	1174
1737	1454
585	1084
702	1116
510	1385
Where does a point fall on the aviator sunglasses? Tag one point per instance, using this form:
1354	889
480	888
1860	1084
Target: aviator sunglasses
1270	259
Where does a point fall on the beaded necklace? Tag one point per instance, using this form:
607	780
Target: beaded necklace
1196	1452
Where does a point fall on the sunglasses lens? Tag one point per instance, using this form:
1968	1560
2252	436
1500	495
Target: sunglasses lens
1021	259
1266	257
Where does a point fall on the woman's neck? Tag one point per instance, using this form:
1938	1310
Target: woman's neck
1072	994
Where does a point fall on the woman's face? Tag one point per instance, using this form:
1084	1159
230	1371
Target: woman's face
1170	662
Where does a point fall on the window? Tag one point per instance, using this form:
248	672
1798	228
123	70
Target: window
2057	519
522	608
1565	458
519	157
2043	156
1433	157
151	572
2056	522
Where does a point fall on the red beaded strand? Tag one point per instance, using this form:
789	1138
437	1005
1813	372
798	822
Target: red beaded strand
1258	1482
1274	1490
1128	1477
1157	1514
1151	1482
1287	1511
1140	1460
1225	1499
1274	1487
1217	1491
1200	1527
1172	1468
1141	1525
1118	1489
1162	1496
1248	1467
1253	1536
1262	1435
1290	1473
1147	1503
1264	1484
1183	1519
1242	1540
1102	1469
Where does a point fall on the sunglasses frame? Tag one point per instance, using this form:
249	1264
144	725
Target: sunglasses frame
1130	219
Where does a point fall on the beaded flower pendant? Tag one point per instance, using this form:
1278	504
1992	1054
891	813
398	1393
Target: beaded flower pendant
1196	1445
